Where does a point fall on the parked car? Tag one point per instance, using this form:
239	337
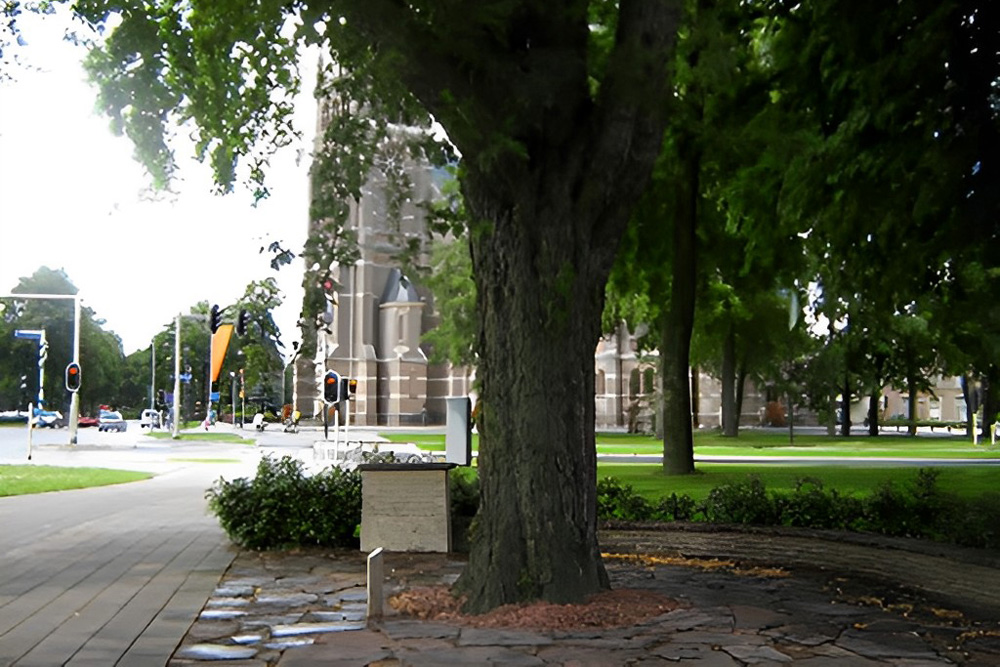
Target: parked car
150	418
84	421
14	417
47	418
111	420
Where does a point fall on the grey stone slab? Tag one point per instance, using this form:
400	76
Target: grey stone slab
216	652
885	645
753	617
291	642
232	590
222	614
468	655
314	628
409	629
271	619
696	654
226	602
500	637
756	654
286	599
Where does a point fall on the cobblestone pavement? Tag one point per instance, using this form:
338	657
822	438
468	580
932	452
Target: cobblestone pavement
834	603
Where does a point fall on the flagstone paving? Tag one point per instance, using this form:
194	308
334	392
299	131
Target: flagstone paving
307	608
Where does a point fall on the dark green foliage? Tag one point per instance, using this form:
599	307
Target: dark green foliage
464	490
676	508
616	500
917	509
283	506
740	502
812	506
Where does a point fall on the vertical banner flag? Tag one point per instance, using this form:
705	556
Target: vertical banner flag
220	343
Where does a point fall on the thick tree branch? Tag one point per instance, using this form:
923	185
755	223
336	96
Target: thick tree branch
631	112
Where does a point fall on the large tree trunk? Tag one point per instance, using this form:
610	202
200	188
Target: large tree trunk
911	401
675	350
550	177
741	381
536	534
729	383
873	403
845	407
695	396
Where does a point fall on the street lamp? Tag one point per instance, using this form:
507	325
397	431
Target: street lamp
243	403
232	394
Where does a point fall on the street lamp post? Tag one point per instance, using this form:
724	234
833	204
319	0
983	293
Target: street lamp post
232	394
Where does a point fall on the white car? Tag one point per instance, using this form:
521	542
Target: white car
150	418
111	420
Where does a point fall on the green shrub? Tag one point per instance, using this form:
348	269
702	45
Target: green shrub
676	508
740	502
812	506
283	506
620	501
974	523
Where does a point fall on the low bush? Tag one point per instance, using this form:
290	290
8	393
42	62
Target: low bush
919	508
740	502
284	506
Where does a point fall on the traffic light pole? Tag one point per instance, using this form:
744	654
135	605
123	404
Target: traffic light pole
175	427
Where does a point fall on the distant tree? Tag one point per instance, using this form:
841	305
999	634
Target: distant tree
101	357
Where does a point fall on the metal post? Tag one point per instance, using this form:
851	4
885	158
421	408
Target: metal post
74	399
152	375
43	352
31	414
232	394
175	431
208	380
243	399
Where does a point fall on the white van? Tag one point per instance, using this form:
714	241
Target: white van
150	418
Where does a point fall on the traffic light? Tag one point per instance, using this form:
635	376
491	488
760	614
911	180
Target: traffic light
331	387
243	321
348	387
73	376
214	319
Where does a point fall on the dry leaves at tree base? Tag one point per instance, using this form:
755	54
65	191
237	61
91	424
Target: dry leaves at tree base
608	609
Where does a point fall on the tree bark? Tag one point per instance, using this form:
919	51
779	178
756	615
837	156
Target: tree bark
741	381
911	401
551	173
873	401
695	395
675	350
845	408
729	383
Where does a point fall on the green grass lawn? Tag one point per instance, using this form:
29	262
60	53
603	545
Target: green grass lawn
17	480
207	436
650	482
767	443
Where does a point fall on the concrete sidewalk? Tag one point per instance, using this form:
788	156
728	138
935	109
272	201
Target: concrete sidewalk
113	575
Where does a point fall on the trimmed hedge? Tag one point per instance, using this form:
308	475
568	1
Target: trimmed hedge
918	508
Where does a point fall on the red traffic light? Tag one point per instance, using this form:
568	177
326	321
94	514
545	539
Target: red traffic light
73	376
331	387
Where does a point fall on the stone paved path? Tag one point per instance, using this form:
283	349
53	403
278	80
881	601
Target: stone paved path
834	608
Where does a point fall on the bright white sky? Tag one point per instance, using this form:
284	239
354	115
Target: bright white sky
71	198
